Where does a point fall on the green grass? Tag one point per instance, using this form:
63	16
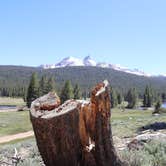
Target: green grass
14	122
11	101
126	123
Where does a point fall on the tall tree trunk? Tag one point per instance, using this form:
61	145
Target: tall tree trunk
77	133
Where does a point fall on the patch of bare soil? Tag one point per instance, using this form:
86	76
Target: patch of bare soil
9	138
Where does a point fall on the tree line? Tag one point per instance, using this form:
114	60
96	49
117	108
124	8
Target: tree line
150	98
14	80
38	87
41	87
17	91
42	84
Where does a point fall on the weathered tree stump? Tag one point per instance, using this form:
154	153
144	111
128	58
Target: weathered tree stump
77	133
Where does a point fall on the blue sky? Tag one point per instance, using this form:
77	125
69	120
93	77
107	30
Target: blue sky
127	32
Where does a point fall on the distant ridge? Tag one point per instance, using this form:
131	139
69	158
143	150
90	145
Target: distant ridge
14	77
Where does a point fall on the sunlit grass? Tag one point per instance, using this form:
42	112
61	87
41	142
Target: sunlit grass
14	122
11	101
126	123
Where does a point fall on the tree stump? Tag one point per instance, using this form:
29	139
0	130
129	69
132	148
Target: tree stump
77	133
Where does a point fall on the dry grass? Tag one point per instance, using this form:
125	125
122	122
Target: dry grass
11	101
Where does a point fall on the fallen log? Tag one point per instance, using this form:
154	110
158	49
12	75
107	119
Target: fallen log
77	132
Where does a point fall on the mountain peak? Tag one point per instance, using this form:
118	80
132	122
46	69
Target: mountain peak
87	57
88	61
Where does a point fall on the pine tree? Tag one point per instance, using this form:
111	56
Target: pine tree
25	94
76	91
84	95
50	84
148	97
114	100
33	89
158	105
132	98
43	86
119	98
67	92
163	96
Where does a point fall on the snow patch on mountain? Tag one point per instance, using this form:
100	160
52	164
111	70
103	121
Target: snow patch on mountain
88	61
70	61
103	65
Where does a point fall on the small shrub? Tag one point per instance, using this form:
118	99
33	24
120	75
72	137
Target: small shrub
31	158
153	154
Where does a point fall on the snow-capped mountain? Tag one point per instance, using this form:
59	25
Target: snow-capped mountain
70	61
88	61
131	71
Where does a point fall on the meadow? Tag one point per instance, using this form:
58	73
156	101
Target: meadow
125	124
14	122
11	101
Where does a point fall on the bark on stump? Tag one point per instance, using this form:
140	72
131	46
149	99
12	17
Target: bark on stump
77	133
